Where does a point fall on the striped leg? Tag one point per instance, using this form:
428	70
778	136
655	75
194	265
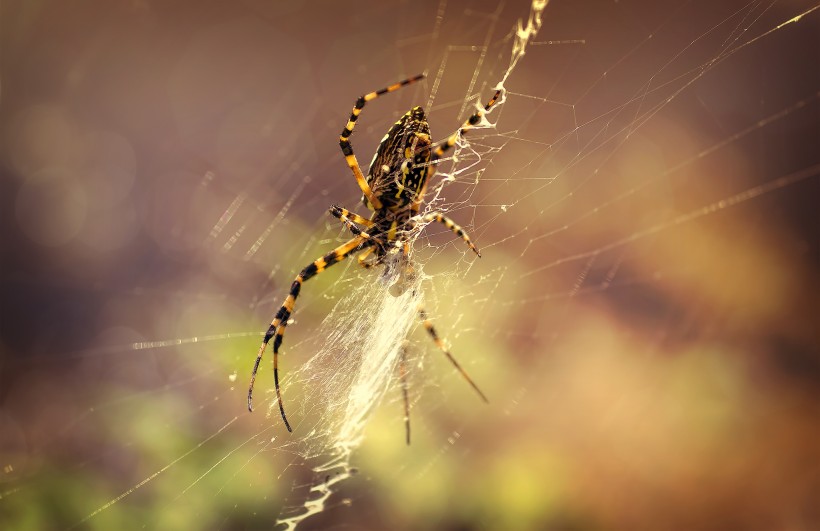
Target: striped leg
404	387
469	124
350	219
347	149
363	257
453	226
280	321
440	344
448	144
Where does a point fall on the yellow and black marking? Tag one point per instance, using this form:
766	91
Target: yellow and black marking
440	344
415	206
280	321
363	258
355	218
347	217
372	199
469	124
453	226
400	167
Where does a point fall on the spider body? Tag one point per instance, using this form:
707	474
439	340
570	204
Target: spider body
398	176
400	167
394	190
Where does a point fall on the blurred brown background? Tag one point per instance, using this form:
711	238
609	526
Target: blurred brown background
650	353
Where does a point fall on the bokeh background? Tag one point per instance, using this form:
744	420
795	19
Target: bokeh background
647	336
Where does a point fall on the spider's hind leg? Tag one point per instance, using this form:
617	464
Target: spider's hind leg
404	388
428	325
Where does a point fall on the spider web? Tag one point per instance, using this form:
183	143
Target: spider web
641	316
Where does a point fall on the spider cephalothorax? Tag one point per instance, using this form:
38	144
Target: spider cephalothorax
394	190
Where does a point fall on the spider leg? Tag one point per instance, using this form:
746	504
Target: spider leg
280	321
363	256
440	344
344	138
466	126
448	144
404	387
453	226
350	219
341	212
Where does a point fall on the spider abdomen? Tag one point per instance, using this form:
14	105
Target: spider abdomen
400	167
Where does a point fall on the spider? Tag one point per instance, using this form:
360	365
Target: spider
394	190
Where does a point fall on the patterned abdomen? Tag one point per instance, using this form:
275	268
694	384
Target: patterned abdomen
400	167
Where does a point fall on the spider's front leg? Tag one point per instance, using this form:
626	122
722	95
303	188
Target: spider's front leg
280	321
